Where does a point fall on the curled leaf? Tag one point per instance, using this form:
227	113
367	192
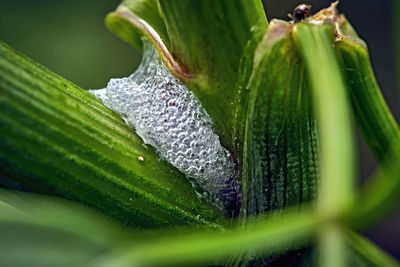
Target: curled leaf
214	62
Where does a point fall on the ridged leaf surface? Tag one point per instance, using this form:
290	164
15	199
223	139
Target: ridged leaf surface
58	139
281	149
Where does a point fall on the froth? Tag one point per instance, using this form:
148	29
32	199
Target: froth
169	117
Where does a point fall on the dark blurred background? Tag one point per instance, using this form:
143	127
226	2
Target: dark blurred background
69	37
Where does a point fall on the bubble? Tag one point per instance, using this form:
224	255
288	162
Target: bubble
169	117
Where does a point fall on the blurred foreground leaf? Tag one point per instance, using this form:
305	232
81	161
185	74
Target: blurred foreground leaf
269	234
58	139
40	231
337	157
378	197
367	253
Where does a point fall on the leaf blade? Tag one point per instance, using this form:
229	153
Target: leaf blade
373	116
274	234
377	125
368	252
281	146
51	232
58	139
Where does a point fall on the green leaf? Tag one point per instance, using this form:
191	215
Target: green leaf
209	45
58	139
39	231
127	21
51	232
281	165
332	248
377	124
377	197
370	110
368	254
272	234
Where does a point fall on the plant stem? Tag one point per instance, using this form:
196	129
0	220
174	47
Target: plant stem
332	246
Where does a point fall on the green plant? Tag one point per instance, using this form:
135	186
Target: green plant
280	96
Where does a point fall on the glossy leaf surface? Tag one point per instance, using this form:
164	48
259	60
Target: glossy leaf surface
58	139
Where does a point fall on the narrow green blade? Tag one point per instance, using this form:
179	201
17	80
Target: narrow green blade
377	124
272	234
51	232
369	107
368	254
378	197
40	231
315	44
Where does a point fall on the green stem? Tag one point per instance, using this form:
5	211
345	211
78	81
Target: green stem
332	247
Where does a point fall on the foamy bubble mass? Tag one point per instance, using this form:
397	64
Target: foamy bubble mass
169	117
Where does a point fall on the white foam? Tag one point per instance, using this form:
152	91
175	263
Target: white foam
169	117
